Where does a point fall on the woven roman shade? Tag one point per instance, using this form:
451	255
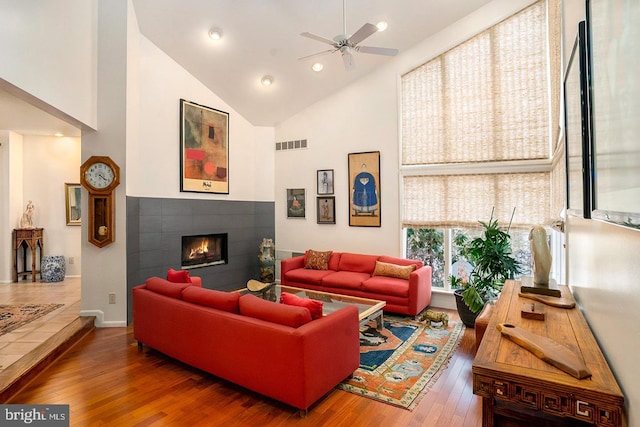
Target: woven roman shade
484	102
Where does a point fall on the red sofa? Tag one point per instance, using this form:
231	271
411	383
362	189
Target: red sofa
360	275
273	349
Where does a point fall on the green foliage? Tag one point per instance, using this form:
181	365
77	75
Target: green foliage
427	245
492	261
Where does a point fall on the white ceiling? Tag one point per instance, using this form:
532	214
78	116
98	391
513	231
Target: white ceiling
262	37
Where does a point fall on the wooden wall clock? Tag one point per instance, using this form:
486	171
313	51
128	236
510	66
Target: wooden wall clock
100	176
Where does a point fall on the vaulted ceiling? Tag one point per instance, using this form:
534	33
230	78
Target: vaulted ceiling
262	37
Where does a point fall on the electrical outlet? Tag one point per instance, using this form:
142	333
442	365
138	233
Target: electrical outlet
72	260
112	298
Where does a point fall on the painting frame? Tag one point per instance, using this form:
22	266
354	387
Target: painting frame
326	210
324	181
296	203
73	203
204	152
364	189
578	146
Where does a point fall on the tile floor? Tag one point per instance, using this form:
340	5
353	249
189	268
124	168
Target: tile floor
26	339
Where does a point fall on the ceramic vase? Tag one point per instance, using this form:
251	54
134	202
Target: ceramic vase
52	268
266	256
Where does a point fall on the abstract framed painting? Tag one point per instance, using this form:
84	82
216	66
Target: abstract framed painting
296	203
364	189
326	210
204	149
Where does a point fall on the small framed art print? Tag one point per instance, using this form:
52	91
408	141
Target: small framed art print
325	181
326	210
296	203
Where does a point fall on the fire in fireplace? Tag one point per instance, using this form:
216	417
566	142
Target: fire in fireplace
204	250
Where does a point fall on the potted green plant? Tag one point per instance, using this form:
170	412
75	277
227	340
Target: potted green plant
491	258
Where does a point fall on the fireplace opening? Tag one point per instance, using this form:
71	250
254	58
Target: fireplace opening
204	250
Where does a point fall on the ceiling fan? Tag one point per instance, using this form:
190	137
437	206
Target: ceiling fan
347	44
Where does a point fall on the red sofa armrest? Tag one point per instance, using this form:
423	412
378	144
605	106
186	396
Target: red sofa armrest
419	290
290	264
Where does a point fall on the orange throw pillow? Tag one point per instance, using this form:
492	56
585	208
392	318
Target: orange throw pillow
393	270
317	260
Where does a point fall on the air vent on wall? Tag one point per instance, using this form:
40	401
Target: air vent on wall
291	145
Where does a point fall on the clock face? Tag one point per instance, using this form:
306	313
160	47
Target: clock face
99	175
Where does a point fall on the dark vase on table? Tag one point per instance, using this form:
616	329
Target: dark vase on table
467	316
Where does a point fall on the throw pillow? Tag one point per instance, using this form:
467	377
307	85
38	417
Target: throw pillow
317	260
314	306
226	301
393	270
181	276
252	306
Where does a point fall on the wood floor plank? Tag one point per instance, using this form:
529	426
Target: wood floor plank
106	380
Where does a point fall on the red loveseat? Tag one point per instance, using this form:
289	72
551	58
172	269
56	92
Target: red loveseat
404	284
273	349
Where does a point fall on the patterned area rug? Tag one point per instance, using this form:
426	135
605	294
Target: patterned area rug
14	316
401	362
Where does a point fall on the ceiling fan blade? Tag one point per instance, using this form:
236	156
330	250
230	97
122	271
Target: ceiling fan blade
377	50
365	31
317	54
318	38
347	60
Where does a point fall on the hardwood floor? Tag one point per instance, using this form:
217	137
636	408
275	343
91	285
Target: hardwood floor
106	380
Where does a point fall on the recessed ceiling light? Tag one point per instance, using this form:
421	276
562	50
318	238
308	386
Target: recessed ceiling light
58	134
267	80
215	34
382	25
317	67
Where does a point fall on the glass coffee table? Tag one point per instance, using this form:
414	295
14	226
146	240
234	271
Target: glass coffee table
368	309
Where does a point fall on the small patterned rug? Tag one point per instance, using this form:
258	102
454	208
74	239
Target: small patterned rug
401	362
14	316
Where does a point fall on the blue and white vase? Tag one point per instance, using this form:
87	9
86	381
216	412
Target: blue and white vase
52	268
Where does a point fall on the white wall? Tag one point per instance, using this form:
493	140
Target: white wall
363	117
154	161
49	50
49	162
11	184
603	267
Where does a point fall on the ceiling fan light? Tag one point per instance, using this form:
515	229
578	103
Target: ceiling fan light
382	25
215	34
317	67
267	81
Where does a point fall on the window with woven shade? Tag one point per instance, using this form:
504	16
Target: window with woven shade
480	124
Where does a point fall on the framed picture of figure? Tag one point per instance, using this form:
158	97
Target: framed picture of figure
326	210
296	203
325	181
364	189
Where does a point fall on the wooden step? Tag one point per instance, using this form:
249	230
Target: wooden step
17	376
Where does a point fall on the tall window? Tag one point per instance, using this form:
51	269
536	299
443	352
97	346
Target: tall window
479	128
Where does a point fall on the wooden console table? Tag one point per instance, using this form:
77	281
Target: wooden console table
519	389
33	239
